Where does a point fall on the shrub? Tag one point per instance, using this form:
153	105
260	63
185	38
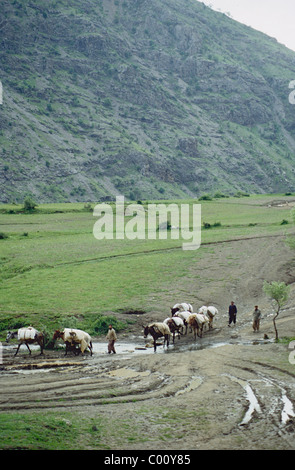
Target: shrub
102	322
219	195
206	225
241	194
205	197
29	204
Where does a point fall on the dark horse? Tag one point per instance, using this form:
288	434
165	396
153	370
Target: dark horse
154	331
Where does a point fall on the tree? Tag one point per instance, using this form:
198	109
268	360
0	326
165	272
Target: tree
279	292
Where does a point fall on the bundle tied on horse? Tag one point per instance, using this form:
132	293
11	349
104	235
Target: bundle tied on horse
210	312
183	307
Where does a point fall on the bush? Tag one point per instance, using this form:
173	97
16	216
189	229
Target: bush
29	204
102	322
205	197
206	225
219	195
11	324
241	194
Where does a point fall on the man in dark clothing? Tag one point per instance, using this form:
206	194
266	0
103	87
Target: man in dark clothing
232	312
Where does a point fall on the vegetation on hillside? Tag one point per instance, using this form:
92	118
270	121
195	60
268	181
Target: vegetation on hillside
150	99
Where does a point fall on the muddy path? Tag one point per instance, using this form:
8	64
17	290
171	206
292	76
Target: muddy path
232	389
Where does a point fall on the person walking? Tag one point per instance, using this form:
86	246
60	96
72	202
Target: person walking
256	318
112	337
232	313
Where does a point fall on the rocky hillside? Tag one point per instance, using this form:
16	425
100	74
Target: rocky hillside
146	98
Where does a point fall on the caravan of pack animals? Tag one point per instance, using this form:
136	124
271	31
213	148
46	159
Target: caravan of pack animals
78	341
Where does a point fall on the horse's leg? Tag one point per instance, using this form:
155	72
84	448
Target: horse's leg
17	349
41	347
28	348
67	347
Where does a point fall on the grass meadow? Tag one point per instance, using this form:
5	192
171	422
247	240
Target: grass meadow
54	272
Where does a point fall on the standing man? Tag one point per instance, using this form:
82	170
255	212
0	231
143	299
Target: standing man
256	318
232	313
112	337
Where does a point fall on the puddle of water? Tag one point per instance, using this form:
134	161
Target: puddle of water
125	348
253	402
204	343
253	405
32	371
288	411
99	348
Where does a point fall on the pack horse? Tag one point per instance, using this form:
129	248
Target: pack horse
27	335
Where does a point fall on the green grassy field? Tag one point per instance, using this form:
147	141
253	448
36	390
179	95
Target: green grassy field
54	272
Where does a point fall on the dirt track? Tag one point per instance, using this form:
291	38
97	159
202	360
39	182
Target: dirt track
230	390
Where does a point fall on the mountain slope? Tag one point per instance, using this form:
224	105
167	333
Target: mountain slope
146	98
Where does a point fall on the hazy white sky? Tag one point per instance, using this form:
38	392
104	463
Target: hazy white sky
273	17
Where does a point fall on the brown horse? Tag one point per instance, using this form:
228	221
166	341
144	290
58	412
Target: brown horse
175	326
157	330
